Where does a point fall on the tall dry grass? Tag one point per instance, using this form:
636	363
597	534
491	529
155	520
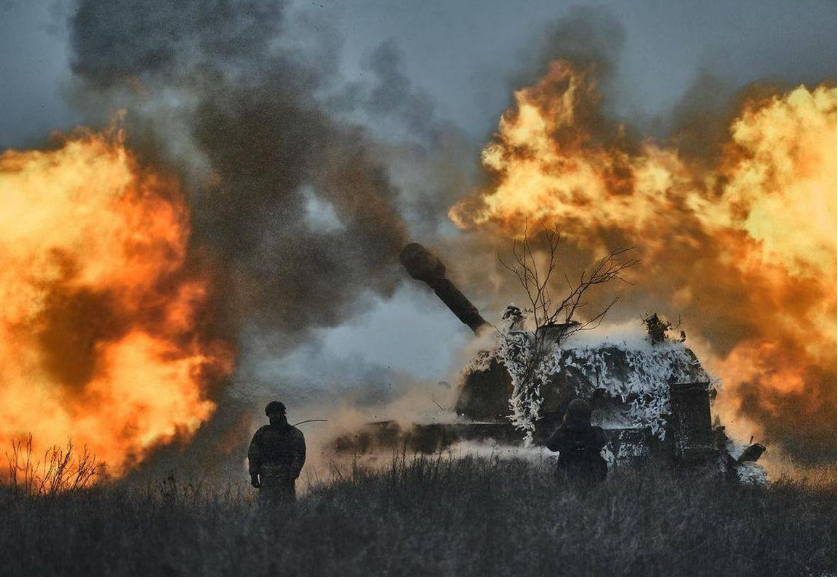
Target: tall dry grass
434	516
59	470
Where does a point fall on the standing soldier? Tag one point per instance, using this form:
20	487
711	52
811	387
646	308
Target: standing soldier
276	456
579	443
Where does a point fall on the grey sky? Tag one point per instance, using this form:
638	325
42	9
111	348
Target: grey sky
462	54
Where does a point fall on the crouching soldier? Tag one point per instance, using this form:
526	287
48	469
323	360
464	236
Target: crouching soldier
276	456
580	464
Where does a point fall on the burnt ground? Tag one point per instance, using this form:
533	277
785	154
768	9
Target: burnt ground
436	516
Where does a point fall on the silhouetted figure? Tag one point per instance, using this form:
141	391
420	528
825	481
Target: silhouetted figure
276	456
580	465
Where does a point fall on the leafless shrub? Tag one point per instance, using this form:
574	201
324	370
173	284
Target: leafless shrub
536	282
59	471
523	360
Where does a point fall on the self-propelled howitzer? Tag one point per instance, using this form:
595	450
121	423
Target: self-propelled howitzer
650	398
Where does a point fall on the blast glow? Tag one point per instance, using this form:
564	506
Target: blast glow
744	247
97	334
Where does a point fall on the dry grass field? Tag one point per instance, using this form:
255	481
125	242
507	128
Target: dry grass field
434	516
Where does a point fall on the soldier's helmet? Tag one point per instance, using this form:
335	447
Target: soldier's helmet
512	318
512	312
579	411
274	407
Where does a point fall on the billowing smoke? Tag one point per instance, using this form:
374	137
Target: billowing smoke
291	204
291	216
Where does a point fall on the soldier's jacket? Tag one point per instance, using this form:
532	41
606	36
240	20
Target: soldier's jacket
277	453
574	439
579	445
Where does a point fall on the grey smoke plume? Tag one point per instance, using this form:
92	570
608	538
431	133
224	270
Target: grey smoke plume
271	159
390	94
291	208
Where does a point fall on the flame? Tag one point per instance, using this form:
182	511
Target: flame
743	245
99	306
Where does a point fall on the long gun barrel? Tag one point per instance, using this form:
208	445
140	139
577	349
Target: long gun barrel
424	266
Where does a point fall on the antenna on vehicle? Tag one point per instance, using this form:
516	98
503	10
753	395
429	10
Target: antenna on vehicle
310	421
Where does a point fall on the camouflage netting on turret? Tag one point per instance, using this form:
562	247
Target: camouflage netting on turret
632	386
632	382
627	381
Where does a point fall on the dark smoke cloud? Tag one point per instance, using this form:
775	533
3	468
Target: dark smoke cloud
225	94
252	116
701	119
590	36
268	154
115	42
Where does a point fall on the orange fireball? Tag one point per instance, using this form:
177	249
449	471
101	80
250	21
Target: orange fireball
99	308
743	244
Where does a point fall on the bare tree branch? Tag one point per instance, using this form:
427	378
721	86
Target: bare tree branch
536	281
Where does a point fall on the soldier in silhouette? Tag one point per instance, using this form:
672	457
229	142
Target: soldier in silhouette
579	443
276	456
